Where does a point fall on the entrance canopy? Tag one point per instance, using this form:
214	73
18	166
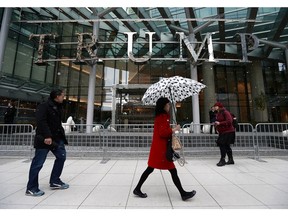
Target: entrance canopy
268	24
224	23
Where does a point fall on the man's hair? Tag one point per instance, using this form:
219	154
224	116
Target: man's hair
55	92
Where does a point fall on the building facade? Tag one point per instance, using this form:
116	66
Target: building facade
86	51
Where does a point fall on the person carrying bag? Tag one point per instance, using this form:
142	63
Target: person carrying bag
161	142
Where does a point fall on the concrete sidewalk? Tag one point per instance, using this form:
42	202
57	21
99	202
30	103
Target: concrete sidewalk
96	184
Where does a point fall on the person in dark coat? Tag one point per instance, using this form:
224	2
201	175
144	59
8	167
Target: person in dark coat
212	117
226	133
157	157
10	113
9	116
50	136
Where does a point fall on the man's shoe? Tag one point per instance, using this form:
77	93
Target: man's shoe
221	162
139	193
188	195
35	193
60	185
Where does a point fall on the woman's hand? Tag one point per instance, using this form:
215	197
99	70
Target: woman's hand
176	128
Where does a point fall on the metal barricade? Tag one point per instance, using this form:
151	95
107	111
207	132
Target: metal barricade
134	140
200	142
127	140
82	143
16	139
272	138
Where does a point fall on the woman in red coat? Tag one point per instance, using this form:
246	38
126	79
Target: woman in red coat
226	133
157	157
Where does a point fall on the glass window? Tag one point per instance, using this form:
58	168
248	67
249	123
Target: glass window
84	86
73	83
38	73
62	75
50	73
9	57
23	63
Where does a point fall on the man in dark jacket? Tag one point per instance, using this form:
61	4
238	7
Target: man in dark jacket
50	136
9	118
10	114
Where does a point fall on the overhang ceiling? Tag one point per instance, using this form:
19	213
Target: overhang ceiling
224	22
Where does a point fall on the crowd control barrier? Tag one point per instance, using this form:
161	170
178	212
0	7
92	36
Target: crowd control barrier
132	141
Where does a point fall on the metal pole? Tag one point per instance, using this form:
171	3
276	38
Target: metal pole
174	111
91	88
4	35
286	58
195	98
113	111
209	91
195	101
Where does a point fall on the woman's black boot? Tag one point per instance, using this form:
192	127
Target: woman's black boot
230	161
139	193
221	162
230	158
188	195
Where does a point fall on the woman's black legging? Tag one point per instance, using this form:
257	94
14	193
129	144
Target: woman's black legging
176	181
143	177
173	173
225	149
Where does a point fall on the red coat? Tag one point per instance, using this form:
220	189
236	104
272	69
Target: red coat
225	119
162	132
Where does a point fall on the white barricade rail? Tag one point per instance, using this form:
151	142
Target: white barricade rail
197	140
272	138
85	141
17	139
127	140
134	140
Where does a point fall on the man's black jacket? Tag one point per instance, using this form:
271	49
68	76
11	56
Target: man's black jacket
9	115
49	124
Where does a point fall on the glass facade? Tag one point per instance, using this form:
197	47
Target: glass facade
233	83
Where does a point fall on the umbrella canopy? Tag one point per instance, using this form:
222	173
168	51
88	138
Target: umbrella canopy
174	88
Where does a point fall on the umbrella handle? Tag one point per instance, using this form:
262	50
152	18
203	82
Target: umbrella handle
173	107
174	121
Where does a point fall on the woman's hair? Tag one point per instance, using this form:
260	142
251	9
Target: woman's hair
56	92
160	104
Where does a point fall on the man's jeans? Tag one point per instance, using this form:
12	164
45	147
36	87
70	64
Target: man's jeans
38	161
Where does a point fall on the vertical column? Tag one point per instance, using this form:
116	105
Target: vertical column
91	96
91	88
260	112
195	101
286	58
195	98
113	114
4	35
209	91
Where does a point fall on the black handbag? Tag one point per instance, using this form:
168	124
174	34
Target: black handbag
171	155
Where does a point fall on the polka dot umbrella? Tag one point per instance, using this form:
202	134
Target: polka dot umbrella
174	88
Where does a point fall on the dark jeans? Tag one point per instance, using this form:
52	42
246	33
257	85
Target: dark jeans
38	161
